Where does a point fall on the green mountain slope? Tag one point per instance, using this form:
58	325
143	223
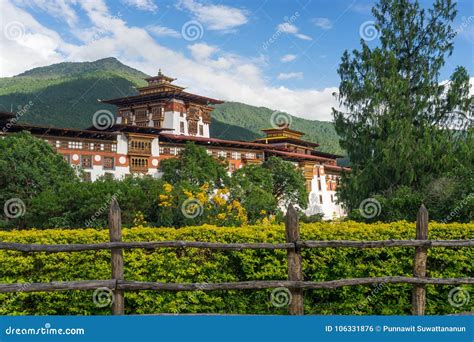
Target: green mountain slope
253	119
66	94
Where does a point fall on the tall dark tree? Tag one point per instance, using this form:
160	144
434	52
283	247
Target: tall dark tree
401	125
28	166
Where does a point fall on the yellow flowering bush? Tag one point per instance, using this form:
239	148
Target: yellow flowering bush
181	206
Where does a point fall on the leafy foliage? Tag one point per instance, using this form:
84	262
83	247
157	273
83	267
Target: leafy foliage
403	129
29	166
197	265
194	167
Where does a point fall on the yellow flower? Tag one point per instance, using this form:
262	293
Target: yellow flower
167	187
263	212
201	197
204	187
163	197
219	200
221	216
188	194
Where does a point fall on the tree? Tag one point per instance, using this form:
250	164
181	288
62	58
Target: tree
253	186
28	166
269	187
289	184
400	125
195	167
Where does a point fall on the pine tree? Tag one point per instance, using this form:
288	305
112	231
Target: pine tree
401	125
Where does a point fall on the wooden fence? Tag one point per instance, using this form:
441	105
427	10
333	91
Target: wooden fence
293	245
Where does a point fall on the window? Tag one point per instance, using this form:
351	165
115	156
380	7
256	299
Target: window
181	127
74	145
320	199
319	171
201	130
67	158
231	167
250	155
138	164
235	155
141	114
114	148
108	162
319	184
86	162
222	154
332	198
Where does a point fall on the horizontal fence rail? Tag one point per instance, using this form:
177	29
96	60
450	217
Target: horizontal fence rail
244	285
293	245
21	247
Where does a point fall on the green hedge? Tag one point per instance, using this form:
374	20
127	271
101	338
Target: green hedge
198	265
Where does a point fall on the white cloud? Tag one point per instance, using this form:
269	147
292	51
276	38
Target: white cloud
25	42
60	9
290	75
292	29
162	31
288	58
201	51
210	72
143	5
215	17
323	23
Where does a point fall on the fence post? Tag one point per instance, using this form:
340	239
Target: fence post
115	232
295	272
419	265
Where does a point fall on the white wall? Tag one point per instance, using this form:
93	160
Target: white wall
329	208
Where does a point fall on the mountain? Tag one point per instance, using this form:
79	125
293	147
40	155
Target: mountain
66	95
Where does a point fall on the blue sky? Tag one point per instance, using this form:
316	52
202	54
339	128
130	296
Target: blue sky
279	54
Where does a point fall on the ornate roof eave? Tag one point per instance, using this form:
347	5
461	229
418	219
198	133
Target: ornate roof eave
139	99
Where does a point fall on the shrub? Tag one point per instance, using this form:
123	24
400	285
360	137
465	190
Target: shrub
201	265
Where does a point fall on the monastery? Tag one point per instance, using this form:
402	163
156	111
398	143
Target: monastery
157	123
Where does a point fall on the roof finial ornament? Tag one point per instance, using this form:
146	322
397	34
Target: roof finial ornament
159	72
